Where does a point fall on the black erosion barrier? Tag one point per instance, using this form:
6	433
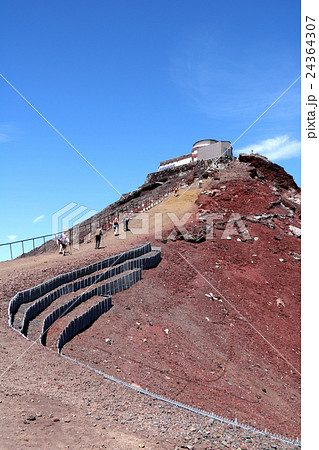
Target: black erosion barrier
123	270
108	289
32	294
146	261
81	323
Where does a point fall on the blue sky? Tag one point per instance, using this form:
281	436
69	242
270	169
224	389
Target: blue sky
129	84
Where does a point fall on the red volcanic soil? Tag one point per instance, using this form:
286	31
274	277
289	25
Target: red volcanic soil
237	355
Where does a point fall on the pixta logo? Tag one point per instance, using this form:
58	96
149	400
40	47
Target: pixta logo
147	223
68	218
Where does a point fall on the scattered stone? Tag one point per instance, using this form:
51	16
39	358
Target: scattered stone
31	418
295	231
295	256
280	302
211	295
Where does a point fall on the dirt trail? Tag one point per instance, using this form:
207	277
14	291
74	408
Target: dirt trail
111	244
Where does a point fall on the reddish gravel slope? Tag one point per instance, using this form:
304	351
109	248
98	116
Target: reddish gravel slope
236	353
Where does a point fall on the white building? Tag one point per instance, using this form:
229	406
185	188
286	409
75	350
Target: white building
175	162
201	150
211	149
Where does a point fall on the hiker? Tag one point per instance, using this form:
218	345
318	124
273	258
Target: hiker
62	242
176	191
116	226
98	236
200	184
125	222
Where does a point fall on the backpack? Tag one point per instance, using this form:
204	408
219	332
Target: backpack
63	240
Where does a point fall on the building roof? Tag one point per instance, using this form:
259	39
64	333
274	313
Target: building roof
178	158
209	141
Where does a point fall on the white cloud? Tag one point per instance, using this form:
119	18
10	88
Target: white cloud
37	219
4	137
280	147
6	131
12	237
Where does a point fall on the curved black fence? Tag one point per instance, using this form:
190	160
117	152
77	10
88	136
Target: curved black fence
82	322
108	289
146	261
29	295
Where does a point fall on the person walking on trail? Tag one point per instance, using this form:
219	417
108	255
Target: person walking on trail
176	191
125	223
98	236
116	226
62	242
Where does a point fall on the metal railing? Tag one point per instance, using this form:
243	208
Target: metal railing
33	240
134	206
81	232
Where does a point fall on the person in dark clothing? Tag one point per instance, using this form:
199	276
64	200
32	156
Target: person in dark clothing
98	236
125	223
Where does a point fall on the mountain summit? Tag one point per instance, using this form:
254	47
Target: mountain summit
216	325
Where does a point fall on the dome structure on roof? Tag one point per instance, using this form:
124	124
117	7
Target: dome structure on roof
203	150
